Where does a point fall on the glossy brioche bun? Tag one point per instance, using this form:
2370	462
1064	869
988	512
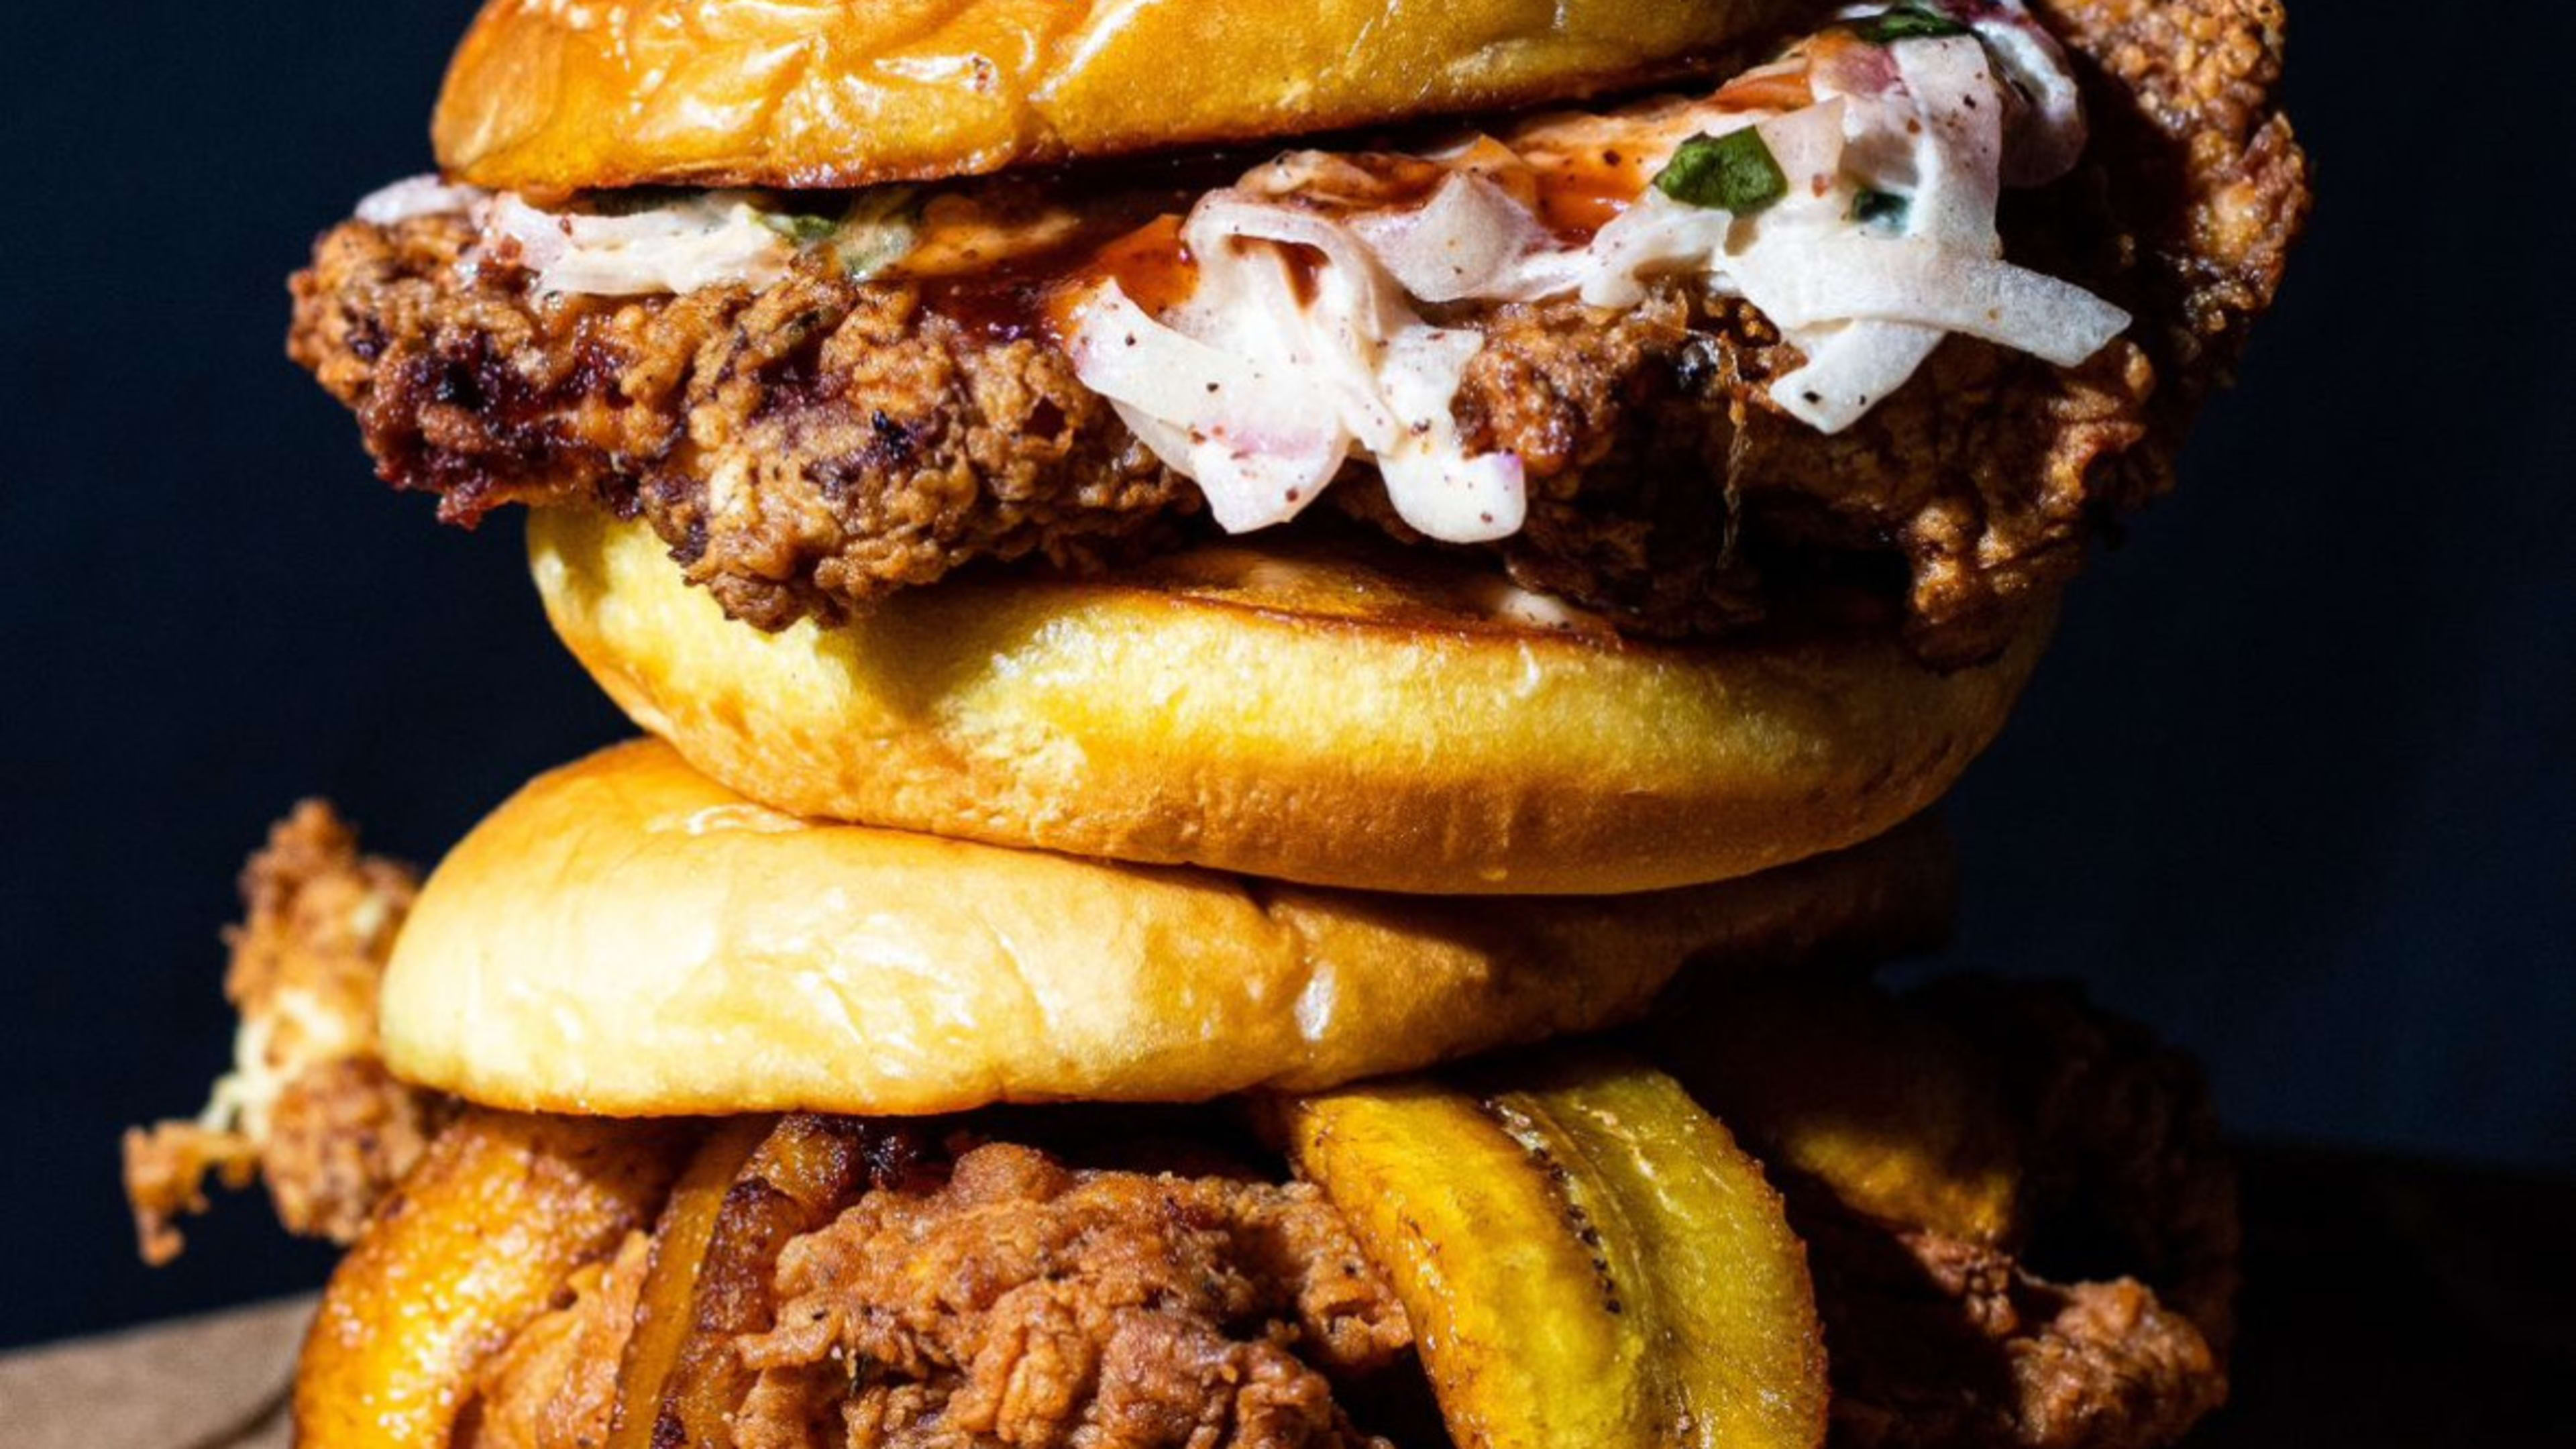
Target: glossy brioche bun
561	94
625	937
1313	720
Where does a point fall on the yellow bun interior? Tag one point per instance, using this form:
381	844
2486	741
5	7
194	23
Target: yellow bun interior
625	937
577	93
1307	719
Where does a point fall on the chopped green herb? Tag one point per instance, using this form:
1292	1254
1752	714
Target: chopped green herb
1735	172
872	251
1881	208
1908	22
878	231
801	228
884	204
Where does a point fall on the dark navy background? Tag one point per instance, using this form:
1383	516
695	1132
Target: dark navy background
2298	785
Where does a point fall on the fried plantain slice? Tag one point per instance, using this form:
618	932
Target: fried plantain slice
1885	1107
1586	1256
473	1244
664	1310
789	1184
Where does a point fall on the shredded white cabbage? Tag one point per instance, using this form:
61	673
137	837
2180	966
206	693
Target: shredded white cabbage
418	196
1469	240
715	238
1261	390
1260	393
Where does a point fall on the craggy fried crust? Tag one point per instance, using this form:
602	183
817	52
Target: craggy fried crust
869	442
556	1383
1006	1298
1036	1305
2106	1324
310	1106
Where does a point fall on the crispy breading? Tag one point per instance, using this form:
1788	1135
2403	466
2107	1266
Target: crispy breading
308	1105
556	1382
1024	1303
1012	1300
811	447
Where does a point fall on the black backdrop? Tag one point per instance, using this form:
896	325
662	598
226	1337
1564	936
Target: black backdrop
2296	786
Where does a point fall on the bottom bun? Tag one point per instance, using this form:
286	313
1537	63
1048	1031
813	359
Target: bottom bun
1407	724
626	937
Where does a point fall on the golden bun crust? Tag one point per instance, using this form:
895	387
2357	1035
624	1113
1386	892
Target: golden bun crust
626	937
560	94
1310	720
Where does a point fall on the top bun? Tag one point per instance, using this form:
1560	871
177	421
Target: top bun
564	94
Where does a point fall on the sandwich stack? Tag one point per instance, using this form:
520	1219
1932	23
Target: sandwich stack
1281	728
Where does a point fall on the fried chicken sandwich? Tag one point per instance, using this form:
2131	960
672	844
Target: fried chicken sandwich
1489	447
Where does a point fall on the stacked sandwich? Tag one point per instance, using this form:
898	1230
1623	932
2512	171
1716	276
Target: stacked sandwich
1287	657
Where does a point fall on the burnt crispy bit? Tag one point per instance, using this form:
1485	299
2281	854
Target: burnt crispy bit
308	1105
812	447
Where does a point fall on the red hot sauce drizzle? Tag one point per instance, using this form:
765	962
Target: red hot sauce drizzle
1572	190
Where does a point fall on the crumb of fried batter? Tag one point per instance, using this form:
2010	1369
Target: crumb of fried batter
166	1167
